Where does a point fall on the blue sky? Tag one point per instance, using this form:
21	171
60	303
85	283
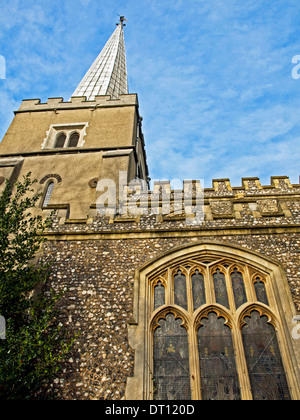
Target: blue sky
214	77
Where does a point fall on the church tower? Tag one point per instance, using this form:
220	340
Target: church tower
190	294
69	145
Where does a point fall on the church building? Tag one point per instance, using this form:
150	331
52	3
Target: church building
189	294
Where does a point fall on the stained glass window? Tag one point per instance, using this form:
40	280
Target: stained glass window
219	378
220	288
238	288
198	289
265	368
159	295
222	347
180	296
260	290
171	372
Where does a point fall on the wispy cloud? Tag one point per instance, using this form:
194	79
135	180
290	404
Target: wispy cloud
213	77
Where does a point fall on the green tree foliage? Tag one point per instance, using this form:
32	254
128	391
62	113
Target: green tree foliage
35	342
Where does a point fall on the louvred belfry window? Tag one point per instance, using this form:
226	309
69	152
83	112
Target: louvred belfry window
215	333
60	141
74	139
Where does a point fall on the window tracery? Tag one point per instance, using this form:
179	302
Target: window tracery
218	372
171	360
264	361
201	346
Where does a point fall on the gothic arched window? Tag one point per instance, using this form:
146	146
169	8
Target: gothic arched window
266	371
171	360
200	336
219	377
215	331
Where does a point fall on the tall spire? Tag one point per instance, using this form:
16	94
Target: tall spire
108	73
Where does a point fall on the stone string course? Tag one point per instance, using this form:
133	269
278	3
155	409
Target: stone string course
98	275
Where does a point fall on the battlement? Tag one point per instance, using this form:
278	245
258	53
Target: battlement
52	104
224	186
220	201
222	205
221	188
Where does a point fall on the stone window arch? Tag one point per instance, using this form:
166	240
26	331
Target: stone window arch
49	176
49	180
211	342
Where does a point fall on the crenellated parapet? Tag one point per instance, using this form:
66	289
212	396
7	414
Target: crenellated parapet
221	201
76	102
194	205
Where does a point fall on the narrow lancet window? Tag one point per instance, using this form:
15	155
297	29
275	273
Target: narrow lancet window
260	290
238	288
159	295
180	295
48	194
218	373
220	288
265	368
171	379
198	289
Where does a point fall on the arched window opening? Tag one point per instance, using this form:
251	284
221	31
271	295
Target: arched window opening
159	295
180	295
260	290
266	372
214	327
48	194
219	377
171	372
198	289
238	288
220	288
74	139
60	140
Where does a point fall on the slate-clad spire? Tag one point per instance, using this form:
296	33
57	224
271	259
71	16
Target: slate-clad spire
108	74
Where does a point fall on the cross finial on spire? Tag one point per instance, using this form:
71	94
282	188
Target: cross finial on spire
122	19
108	74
